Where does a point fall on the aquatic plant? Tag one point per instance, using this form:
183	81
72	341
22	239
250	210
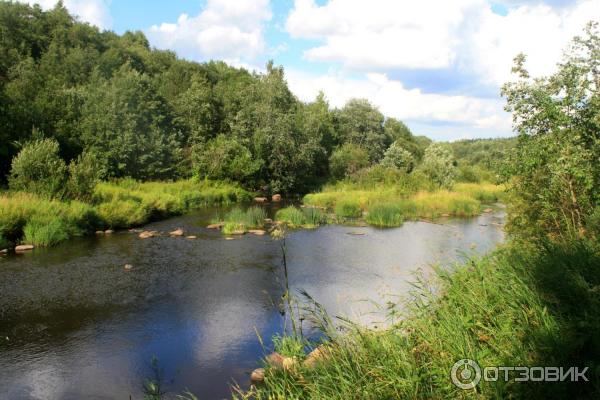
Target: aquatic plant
385	215
348	209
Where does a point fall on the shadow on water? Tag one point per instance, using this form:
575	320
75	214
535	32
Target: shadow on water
76	324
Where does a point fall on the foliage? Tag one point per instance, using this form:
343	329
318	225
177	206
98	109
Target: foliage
438	165
554	175
360	123
306	217
347	159
397	157
84	174
39	169
223	158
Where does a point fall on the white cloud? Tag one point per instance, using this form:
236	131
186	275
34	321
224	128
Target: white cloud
224	30
465	34
95	12
394	100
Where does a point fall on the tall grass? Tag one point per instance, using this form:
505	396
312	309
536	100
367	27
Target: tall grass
504	309
28	218
238	220
347	208
307	217
385	215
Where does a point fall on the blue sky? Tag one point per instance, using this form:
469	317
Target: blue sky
437	65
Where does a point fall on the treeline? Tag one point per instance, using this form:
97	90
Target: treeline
114	103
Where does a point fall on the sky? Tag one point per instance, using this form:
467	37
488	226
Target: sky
438	65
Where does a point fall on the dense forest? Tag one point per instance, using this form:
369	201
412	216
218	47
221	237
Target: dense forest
113	102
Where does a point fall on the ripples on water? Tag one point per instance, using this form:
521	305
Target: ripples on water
75	324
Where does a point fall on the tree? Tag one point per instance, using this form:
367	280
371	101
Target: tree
347	160
438	165
39	169
397	157
224	158
361	123
84	174
554	176
129	127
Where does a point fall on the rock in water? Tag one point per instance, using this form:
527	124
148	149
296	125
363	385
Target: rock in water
99	232
128	267
109	232
24	247
258	375
276	198
258	232
147	234
177	232
488	210
191	237
215	226
260	199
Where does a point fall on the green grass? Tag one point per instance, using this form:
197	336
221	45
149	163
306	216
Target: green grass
385	215
348	209
27	218
238	220
386	206
307	217
519	306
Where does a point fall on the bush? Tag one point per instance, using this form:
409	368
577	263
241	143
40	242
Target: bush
385	215
313	216
348	209
438	165
347	160
39	169
397	157
224	158
84	174
238	220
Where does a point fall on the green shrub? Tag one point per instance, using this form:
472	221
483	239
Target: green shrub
348	209
239	220
398	158
385	215
347	160
39	169
45	231
84	174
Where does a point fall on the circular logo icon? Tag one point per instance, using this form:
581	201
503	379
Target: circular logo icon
465	374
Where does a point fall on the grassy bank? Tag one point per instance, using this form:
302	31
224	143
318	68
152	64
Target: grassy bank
388	205
27	218
516	307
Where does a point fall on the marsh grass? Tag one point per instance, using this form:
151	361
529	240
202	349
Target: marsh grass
348	208
386	207
238	220
307	217
385	215
32	219
508	308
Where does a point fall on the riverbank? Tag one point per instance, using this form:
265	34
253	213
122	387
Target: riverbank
33	220
514	307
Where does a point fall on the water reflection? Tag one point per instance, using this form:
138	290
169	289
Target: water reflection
80	326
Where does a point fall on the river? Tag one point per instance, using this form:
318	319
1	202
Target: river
76	324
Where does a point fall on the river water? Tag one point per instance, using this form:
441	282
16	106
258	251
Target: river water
74	323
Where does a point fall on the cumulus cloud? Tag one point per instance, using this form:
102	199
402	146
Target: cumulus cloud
395	100
429	34
379	38
96	12
223	29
